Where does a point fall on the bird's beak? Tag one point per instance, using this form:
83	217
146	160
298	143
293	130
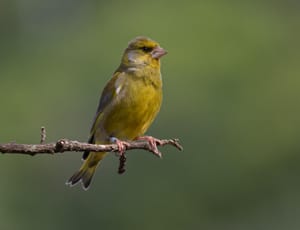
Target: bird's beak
158	52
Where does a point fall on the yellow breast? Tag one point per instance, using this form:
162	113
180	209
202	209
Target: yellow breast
136	104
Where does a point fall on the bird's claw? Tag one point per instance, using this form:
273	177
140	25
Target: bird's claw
122	145
153	142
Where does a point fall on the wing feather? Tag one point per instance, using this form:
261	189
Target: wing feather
109	92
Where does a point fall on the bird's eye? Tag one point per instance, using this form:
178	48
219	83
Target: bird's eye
146	49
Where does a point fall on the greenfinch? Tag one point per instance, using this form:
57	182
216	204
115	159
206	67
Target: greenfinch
128	105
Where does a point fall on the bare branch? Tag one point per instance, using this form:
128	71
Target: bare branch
65	145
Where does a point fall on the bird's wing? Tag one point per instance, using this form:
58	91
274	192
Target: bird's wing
109	93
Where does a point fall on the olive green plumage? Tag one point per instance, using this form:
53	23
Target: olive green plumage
129	102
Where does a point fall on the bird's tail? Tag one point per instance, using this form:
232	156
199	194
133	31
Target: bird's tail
87	170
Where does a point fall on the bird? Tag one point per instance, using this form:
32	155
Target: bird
128	105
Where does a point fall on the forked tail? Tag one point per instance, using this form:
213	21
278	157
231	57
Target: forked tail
86	171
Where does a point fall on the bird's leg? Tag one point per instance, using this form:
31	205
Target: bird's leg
122	145
121	148
153	142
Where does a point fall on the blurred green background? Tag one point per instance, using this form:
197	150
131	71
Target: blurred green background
231	94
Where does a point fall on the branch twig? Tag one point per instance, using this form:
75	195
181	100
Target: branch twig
43	135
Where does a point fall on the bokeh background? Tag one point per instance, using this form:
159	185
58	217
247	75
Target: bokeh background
231	94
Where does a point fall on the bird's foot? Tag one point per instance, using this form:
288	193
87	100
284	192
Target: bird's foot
153	142
122	146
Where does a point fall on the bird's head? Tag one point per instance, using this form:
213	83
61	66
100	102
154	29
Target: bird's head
143	51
